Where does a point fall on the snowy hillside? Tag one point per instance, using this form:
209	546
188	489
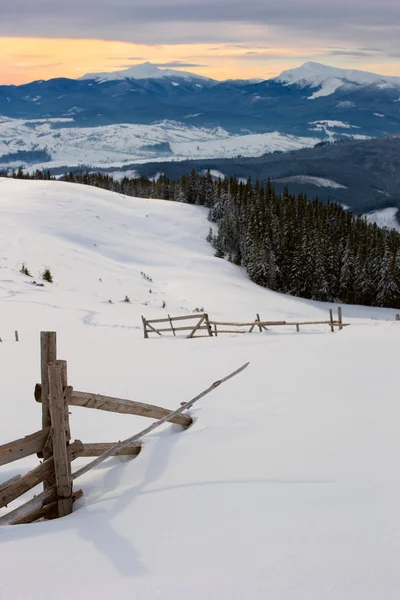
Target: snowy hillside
144	71
329	79
115	145
280	490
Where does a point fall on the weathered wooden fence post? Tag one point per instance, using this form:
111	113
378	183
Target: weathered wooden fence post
58	405
16	336
339	312
67	391
146	335
207	320
397	317
331	319
172	325
48	354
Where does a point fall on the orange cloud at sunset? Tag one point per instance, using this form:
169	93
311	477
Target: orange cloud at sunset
27	59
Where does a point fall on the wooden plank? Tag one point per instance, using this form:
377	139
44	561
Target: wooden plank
215	330
153	328
46	510
24	483
196	316
30	444
6	484
58	401
36	508
201	321
97	449
231	331
190	328
137	436
120	405
22	512
249	323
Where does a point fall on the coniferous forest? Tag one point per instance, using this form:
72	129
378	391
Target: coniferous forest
286	243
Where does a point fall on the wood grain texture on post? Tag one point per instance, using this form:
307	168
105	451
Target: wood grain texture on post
64	376
48	354
62	466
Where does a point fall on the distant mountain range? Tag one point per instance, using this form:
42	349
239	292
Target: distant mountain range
312	100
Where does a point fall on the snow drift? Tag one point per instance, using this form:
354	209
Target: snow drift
283	486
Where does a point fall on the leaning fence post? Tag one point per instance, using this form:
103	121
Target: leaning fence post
339	311
172	325
207	320
146	335
331	319
58	404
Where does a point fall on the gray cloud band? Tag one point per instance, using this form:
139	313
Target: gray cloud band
196	21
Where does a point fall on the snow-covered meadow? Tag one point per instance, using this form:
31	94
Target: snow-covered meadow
285	486
117	145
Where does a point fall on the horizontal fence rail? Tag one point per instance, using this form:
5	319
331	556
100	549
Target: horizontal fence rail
118	405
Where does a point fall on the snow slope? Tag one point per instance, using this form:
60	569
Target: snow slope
283	488
145	70
115	145
329	79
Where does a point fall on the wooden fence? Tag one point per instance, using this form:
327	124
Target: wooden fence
215	328
16	336
53	441
201	323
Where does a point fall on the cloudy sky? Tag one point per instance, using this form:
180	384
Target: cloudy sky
219	38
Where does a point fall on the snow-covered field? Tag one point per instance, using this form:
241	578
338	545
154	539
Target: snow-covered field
307	180
116	145
286	485
333	128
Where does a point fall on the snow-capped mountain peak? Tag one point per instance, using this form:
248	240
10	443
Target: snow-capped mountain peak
145	70
329	79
